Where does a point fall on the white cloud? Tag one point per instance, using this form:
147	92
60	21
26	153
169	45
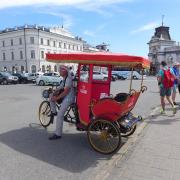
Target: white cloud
89	33
145	27
64	19
89	5
13	3
95	32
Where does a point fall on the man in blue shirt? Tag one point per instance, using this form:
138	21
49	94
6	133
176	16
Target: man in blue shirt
165	91
176	73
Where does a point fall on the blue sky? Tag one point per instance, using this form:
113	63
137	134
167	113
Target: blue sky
126	25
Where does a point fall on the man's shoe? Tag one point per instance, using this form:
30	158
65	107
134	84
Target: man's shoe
80	127
175	103
162	111
54	137
174	110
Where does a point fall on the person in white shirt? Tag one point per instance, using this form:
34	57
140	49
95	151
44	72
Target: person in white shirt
68	97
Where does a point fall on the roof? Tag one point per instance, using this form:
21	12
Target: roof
105	58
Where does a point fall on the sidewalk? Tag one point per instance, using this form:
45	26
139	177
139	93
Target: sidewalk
156	153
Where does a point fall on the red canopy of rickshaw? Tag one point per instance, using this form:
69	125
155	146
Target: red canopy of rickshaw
100	58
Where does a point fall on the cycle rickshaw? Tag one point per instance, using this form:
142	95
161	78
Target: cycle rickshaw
104	117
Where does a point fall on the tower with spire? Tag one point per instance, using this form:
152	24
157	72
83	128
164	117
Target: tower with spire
161	47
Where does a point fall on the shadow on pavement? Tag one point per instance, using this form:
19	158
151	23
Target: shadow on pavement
72	153
165	121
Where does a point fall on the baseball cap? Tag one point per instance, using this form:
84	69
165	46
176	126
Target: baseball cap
64	68
176	64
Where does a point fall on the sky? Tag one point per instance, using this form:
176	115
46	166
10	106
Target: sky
125	25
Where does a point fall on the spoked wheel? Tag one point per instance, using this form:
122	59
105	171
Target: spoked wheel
129	131
104	136
44	112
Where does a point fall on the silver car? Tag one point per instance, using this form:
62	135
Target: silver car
49	79
7	78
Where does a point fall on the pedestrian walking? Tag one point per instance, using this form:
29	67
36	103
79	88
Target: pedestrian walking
166	80
175	86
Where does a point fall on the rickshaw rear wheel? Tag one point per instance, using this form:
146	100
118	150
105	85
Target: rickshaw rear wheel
44	112
104	136
129	132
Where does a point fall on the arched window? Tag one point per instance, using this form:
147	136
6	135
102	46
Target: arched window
55	68
33	69
43	68
13	69
5	68
48	68
22	68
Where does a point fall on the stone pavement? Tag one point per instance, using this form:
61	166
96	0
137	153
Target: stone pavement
156	153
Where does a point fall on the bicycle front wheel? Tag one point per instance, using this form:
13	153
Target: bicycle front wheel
44	112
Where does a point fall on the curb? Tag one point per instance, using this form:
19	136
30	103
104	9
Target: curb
106	170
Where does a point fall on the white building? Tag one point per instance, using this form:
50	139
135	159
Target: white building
162	48
24	48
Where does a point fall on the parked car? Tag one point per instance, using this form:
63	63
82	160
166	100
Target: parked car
127	75
113	77
96	76
136	75
1	78
48	79
21	77
99	76
8	78
121	74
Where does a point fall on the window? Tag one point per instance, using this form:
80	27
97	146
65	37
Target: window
32	54
69	46
21	55
55	68
48	68
84	73
11	42
42	54
98	75
4	56
20	41
42	41
3	43
54	43
78	47
43	68
31	40
12	55
33	69
22	69
48	42
64	45
60	44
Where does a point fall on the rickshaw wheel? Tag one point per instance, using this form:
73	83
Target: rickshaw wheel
44	112
104	136
129	132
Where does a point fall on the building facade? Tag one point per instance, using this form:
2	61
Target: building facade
162	48
24	48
